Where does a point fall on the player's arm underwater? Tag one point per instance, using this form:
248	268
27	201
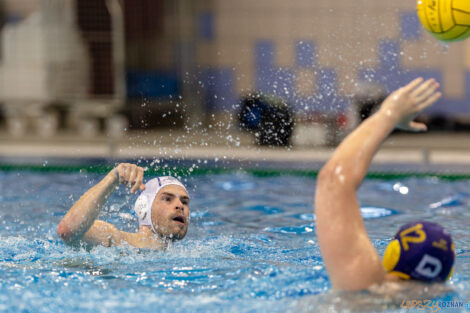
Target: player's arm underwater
80	224
350	258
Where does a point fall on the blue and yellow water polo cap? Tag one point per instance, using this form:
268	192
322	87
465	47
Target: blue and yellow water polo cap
422	251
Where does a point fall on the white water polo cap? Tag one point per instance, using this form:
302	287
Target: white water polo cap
143	204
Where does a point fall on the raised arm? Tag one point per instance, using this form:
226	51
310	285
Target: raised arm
80	221
350	258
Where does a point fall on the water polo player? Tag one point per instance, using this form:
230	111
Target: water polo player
162	210
420	250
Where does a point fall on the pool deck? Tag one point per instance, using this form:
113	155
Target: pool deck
443	152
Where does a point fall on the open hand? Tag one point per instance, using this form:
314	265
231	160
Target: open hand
407	102
131	175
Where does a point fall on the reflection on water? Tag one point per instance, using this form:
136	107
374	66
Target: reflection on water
251	247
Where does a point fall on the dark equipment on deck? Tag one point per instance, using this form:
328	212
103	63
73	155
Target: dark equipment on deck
268	117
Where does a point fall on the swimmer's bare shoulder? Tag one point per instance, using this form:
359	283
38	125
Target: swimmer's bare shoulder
387	296
106	234
399	290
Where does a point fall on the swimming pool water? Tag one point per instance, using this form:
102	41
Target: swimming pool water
251	245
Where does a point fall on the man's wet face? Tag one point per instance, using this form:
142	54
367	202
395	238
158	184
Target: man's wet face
170	212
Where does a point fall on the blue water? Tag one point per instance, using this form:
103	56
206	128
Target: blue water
251	245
